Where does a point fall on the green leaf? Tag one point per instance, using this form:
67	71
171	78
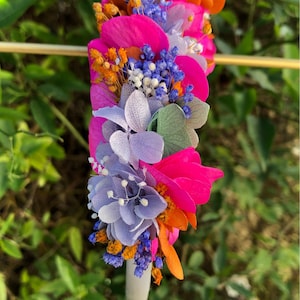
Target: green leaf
6	224
67	273
11	248
54	91
37	72
244	103
37	30
84	9
219	259
196	259
55	287
3	178
11	10
43	115
6	75
171	126
262	133
290	76
240	289
199	115
246	44
75	241
3	293
262	79
12	114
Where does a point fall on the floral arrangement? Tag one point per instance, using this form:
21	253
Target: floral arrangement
149	85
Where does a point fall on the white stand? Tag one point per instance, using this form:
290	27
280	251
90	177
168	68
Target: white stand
137	288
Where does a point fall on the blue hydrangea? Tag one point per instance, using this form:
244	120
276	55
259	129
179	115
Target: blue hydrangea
123	200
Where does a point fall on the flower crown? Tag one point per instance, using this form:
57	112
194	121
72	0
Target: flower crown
149	85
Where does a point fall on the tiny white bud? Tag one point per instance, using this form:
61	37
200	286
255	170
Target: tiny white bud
94	216
121	201
148	91
152	66
138	83
104	172
146	81
110	194
154	82
142	183
131	178
144	202
163	85
124	183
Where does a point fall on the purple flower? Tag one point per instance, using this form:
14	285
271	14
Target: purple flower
143	256
124	201
126	131
114	260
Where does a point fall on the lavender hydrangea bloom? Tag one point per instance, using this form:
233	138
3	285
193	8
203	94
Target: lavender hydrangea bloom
126	131
124	201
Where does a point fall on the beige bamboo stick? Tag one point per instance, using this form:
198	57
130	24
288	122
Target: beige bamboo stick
220	59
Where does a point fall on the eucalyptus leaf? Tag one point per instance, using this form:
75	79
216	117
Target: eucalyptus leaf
171	125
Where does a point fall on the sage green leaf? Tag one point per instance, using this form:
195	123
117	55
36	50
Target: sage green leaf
199	115
11	10
171	125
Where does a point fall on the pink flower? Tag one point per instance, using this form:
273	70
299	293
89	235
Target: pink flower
188	181
129	31
121	32
188	26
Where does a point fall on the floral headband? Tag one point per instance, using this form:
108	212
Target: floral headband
149	85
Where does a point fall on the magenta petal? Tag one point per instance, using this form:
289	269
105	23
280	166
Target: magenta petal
101	96
190	67
95	135
134	30
95	44
179	196
198	190
173	235
191	170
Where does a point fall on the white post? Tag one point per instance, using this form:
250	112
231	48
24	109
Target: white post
137	288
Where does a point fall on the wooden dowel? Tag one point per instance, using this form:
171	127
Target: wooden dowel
257	61
220	59
42	49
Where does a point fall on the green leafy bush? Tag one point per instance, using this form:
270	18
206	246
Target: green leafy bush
246	245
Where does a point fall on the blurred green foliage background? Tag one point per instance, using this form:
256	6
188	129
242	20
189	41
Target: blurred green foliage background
246	245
